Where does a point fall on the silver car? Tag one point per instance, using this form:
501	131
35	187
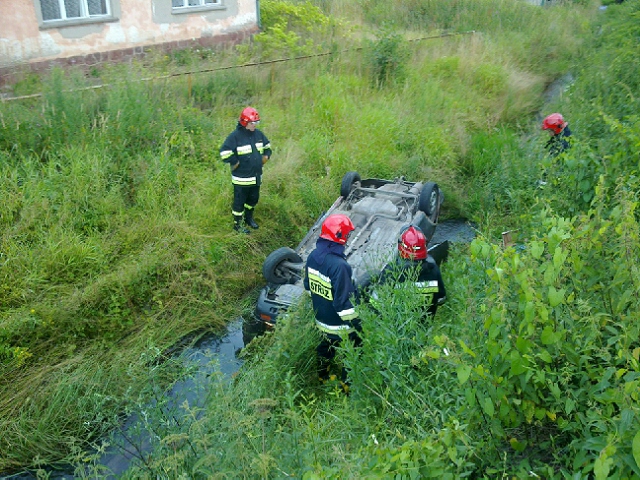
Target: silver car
379	210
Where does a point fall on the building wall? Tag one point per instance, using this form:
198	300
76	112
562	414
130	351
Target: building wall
136	26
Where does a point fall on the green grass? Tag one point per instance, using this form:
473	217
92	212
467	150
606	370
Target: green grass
116	242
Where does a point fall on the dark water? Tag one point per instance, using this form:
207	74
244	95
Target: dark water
557	89
210	357
455	231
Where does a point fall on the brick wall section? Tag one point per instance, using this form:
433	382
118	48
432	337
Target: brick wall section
10	75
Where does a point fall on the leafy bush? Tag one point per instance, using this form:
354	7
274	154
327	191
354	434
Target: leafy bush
557	369
388	57
288	30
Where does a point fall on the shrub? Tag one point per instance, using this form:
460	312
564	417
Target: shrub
387	58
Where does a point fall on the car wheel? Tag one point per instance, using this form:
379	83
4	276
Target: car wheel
282	266
350	181
429	201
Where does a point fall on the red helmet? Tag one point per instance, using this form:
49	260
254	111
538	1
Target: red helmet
249	114
413	244
554	122
337	228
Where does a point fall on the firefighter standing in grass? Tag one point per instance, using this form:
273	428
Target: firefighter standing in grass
416	266
246	150
328	278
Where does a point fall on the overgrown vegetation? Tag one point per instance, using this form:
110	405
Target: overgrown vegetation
116	243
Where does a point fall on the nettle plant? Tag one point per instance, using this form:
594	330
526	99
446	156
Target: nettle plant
557	372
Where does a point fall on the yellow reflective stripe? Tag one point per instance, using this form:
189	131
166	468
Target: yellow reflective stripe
244	150
226	154
430	286
429	290
237	214
243	181
261	148
321	277
334	329
348	314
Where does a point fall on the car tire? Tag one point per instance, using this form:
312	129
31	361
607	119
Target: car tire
275	269
429	201
350	181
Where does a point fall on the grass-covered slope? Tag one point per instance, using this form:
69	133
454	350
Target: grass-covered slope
116	242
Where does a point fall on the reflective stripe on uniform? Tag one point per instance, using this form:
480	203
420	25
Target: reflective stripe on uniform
334	329
348	314
261	148
244	150
430	286
320	276
243	181
226	154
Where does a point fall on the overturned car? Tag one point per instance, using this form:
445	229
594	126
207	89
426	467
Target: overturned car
379	210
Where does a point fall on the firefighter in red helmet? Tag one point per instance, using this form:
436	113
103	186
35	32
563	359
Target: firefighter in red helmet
328	278
246	150
414	265
560	133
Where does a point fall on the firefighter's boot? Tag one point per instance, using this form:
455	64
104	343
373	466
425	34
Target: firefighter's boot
248	218
237	224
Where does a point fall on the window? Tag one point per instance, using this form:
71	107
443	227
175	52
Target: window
194	3
55	10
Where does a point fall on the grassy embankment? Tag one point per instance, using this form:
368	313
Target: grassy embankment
116	242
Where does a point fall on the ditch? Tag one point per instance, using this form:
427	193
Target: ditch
210	357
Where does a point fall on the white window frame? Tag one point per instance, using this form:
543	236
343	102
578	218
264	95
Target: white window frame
202	6
84	17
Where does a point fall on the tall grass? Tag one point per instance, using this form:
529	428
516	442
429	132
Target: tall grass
116	238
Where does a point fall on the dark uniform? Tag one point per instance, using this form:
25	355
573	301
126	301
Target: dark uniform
245	149
425	276
559	143
328	278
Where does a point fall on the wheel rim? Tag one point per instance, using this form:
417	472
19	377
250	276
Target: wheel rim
433	202
284	273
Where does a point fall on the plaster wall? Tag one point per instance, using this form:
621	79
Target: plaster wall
135	24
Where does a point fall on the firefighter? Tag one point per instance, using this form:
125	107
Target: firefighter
416	266
328	278
556	125
246	150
